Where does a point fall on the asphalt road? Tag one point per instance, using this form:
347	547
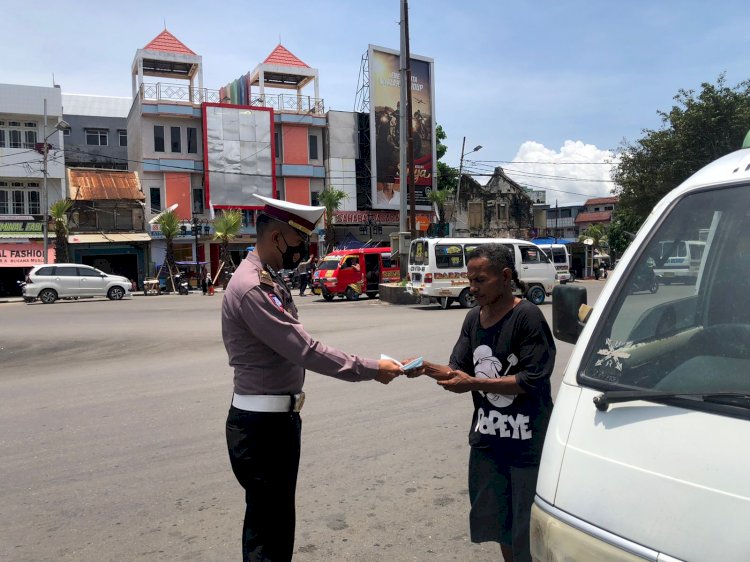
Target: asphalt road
112	436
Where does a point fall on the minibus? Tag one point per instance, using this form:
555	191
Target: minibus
350	273
437	269
679	260
560	257
646	455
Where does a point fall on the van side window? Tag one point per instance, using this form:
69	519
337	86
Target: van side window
87	272
449	256
530	254
45	271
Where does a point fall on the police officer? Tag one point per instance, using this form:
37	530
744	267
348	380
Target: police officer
269	351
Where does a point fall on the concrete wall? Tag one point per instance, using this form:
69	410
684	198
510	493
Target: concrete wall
77	151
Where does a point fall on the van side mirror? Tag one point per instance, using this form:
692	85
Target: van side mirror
567	302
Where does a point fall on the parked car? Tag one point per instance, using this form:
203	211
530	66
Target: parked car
72	280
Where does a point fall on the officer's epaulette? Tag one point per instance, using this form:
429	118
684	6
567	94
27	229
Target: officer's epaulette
266	279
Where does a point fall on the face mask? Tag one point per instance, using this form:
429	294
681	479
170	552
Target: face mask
293	255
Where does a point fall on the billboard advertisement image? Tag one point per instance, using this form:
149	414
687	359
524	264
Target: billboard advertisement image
238	155
385	122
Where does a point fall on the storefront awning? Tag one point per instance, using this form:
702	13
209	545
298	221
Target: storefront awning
118	238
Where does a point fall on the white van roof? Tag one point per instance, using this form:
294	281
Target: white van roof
475	241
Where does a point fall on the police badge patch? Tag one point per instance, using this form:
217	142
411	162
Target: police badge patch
276	301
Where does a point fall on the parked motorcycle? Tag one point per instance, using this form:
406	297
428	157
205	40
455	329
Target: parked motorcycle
645	280
182	284
22	286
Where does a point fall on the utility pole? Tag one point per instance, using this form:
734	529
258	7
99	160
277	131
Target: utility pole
557	218
403	131
45	203
410	124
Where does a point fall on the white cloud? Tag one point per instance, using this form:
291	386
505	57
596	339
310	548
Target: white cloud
571	175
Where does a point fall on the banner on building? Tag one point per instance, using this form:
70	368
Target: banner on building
238	155
25	255
385	83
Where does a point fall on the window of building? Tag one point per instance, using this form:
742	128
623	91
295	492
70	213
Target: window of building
155	196
313	141
123	137
192	140
15	134
20	198
248	218
97	137
66	132
158	138
314	201
277	143
502	212
198	207
15	138
476	214
175	137
608	208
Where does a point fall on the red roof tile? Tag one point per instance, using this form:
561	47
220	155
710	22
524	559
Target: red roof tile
282	57
601	216
602	200
168	43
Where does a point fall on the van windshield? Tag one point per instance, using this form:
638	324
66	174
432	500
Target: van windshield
687	337
329	263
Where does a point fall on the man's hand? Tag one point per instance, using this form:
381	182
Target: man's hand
432	370
458	382
388	370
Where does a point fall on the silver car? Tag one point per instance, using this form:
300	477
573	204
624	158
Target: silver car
72	280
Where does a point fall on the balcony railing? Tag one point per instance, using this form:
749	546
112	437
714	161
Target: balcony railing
178	93
289	103
281	103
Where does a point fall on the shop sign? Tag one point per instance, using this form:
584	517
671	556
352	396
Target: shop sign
382	217
24	255
22	225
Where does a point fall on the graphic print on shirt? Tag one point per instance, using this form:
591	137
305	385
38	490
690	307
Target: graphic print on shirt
487	366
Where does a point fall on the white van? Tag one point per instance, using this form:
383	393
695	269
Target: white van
646	456
437	269
560	257
680	260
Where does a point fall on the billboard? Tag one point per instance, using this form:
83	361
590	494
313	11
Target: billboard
384	127
238	155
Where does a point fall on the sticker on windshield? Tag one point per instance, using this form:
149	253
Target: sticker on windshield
612	355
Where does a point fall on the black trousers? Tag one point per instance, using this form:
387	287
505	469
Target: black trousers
304	279
264	450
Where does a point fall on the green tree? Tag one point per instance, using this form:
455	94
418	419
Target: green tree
598	235
227	226
699	128
620	233
447	178
59	212
169	224
331	198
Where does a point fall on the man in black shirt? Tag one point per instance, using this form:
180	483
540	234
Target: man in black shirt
504	357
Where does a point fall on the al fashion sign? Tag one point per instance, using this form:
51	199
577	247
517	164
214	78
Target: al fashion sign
24	255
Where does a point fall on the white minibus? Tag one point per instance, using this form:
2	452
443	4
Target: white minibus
679	260
437	269
560	257
646	455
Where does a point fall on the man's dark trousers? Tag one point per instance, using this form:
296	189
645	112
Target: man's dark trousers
264	450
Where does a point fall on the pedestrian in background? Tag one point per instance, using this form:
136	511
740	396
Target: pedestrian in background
204	280
504	356
303	271
269	351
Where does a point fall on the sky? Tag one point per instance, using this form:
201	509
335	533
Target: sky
539	85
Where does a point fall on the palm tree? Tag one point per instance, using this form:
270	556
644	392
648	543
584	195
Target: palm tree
59	211
169	224
438	197
598	235
331	199
227	226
